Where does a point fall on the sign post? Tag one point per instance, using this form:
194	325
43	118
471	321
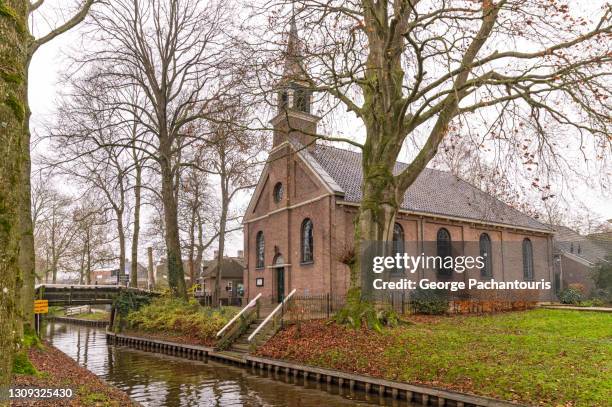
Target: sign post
40	307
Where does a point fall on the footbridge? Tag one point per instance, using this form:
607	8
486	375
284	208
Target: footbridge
66	294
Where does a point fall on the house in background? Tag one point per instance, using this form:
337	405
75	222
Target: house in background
111	276
105	276
161	274
576	256
232	272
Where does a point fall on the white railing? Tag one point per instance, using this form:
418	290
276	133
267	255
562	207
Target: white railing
51	285
242	311
269	317
78	310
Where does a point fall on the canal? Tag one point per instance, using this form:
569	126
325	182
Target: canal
160	380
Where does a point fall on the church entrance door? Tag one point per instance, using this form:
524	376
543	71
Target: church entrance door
280	283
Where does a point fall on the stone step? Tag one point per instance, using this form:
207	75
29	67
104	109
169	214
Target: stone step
239	347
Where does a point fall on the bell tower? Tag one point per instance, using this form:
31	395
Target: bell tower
294	98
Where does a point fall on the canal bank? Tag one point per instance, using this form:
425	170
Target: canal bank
385	392
62	381
165	380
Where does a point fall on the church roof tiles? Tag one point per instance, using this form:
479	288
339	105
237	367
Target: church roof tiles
434	192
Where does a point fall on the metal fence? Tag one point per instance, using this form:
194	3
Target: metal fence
315	306
321	306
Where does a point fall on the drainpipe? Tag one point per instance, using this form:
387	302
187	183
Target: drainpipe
422	233
332	207
503	263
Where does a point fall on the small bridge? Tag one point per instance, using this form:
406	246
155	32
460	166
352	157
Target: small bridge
65	294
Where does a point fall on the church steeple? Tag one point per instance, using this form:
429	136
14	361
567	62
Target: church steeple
294	69
294	97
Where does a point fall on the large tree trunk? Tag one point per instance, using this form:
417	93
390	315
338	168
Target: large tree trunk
176	274
82	267
374	225
89	237
13	40
26	248
134	265
200	248
54	271
192	237
222	227
151	270
121	233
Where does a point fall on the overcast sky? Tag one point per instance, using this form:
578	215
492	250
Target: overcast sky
50	62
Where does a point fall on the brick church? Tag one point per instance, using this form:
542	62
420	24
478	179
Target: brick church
299	223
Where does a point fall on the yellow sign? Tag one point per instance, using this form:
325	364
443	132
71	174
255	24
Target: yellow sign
41	306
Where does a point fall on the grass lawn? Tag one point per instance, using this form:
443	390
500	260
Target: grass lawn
543	357
97	316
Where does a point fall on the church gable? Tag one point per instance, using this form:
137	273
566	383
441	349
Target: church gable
286	169
261	201
305	185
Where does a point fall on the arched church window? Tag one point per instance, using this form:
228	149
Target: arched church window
527	260
398	242
278	192
443	245
301	99
259	249
307	241
485	253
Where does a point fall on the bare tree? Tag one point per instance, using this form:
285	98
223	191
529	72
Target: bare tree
170	51
86	135
419	70
462	158
195	212
92	240
101	170
55	233
544	195
230	154
138	160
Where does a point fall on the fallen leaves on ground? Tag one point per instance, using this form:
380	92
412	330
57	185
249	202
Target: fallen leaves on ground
58	370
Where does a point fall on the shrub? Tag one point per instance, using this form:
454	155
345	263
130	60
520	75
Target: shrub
181	317
578	287
570	295
128	301
429	302
602	276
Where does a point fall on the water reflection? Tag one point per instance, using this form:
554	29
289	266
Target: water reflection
160	380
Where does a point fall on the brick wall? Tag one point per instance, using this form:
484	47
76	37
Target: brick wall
306	197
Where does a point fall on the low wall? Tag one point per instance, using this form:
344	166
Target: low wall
426	396
79	321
